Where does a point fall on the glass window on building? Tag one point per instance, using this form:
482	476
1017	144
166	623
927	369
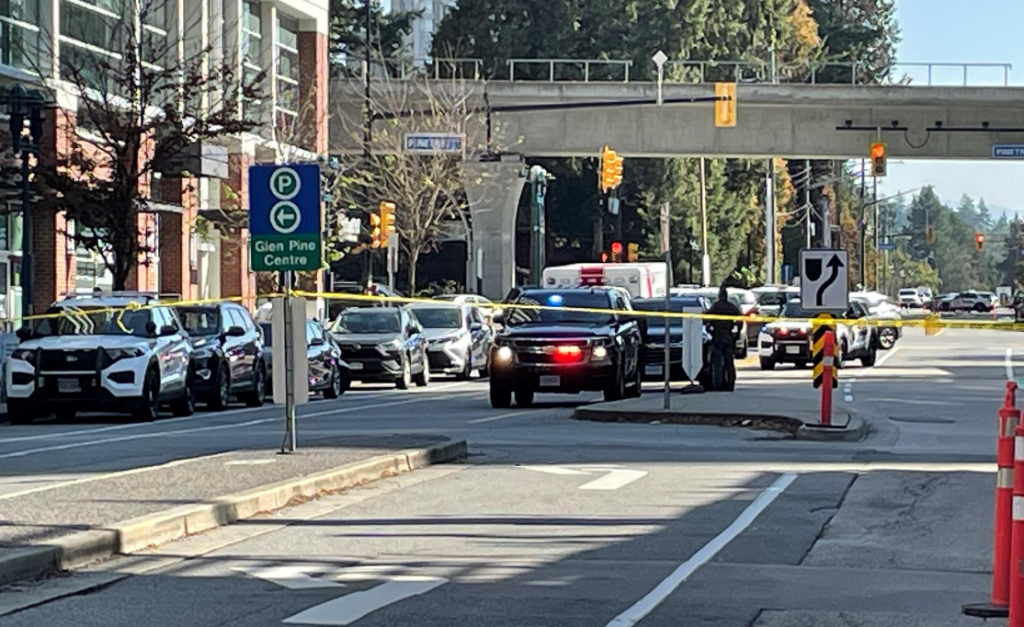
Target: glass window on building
157	47
286	71
91	35
19	33
251	41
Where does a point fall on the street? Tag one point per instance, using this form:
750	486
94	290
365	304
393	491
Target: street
554	521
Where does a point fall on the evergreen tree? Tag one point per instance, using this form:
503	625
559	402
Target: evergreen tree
347	39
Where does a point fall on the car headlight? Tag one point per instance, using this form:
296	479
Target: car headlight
116	354
504	354
387	347
600	352
24	354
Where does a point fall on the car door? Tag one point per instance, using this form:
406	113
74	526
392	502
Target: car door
416	340
860	334
631	330
317	353
171	351
234	348
480	335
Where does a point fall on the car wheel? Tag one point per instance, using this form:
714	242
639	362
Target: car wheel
405	380
501	398
524	398
887	338
65	414
869	360
222	390
258	396
423	378
767	363
20	413
334	389
149	405
616	391
186	405
467	370
980	308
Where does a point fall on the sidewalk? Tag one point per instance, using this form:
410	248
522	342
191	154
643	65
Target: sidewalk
77	522
758	407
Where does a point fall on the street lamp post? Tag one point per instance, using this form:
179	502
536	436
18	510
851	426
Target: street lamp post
538	178
23	104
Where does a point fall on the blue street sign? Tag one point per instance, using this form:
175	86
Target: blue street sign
1008	151
430	143
285	217
886	245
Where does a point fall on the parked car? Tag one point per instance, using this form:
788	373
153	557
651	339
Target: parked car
228	354
789	339
771	298
652	357
120	352
881	308
329	375
945	302
384	344
971	301
744	299
909	298
485	305
458	338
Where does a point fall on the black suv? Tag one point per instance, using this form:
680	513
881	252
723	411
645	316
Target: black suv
228	354
557	348
384	344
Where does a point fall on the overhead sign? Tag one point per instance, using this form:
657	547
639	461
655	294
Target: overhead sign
285	217
824	279
435	143
1008	151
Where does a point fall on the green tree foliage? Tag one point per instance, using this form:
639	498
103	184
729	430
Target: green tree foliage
348	30
1011	265
864	32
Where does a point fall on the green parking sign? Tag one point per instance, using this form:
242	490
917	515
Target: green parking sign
284	218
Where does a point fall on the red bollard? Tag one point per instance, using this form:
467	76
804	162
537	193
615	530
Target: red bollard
1017	542
826	379
1009	419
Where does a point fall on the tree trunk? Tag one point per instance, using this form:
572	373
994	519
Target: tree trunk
414	256
120	271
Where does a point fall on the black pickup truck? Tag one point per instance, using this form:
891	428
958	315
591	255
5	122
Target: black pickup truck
555	347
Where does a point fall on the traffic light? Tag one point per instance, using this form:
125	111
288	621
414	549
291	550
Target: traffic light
610	175
376	234
387	221
616	251
878	157
979	241
725	107
632	252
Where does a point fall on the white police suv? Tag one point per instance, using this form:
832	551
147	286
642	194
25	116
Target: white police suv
119	352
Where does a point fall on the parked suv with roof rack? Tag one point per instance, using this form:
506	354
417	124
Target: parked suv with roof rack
122	352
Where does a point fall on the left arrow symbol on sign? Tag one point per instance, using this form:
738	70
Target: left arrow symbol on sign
292	577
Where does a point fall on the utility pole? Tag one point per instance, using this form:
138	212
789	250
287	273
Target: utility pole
808	206
769	224
705	260
368	130
863	228
878	228
539	178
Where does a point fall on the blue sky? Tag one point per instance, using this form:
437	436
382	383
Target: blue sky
979	31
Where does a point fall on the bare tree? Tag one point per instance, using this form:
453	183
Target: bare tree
141	112
427	189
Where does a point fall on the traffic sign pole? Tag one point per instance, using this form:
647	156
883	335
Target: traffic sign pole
290	437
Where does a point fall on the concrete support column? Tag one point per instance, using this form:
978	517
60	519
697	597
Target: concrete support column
493	190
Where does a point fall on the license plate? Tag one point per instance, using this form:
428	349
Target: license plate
550	381
793	350
355	365
652	370
68	386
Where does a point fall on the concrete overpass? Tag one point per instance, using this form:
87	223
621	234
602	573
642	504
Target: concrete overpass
787	120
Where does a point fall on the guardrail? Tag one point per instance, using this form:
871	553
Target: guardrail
963	67
681	71
568	69
405	68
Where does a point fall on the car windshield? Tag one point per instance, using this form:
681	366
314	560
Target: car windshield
793	309
908	292
557	307
200	321
439	317
367	321
94	320
773	299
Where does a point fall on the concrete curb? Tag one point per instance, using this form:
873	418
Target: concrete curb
754	421
854	430
132	535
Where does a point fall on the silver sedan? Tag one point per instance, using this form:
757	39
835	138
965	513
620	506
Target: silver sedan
458	338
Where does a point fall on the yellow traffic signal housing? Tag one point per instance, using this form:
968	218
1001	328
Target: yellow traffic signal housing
632	252
879	154
725	107
375	231
610	174
387	221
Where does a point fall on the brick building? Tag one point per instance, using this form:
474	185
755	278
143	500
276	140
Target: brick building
196	252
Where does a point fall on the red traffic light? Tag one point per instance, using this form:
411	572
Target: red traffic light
616	248
877	150
980	238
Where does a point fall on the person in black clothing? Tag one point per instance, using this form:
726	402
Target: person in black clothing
723	342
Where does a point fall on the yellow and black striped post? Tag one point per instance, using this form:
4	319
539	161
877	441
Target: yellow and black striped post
822	324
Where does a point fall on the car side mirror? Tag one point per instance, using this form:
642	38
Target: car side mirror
167	330
24	334
235	331
498	317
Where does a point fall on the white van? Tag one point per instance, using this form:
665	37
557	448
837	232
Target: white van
641	280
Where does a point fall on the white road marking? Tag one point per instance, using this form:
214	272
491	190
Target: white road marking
655	597
511	414
614	478
1009	364
291	576
848	398
164	434
848	389
348	609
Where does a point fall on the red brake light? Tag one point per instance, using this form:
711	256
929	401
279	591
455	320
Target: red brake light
782	331
565	354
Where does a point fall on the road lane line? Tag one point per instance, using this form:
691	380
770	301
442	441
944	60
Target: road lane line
1008	362
655	597
511	414
614	480
163	434
348	609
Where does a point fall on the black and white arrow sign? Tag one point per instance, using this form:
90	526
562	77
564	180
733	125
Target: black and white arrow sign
824	280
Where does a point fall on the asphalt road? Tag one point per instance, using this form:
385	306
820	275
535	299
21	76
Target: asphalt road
559	522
